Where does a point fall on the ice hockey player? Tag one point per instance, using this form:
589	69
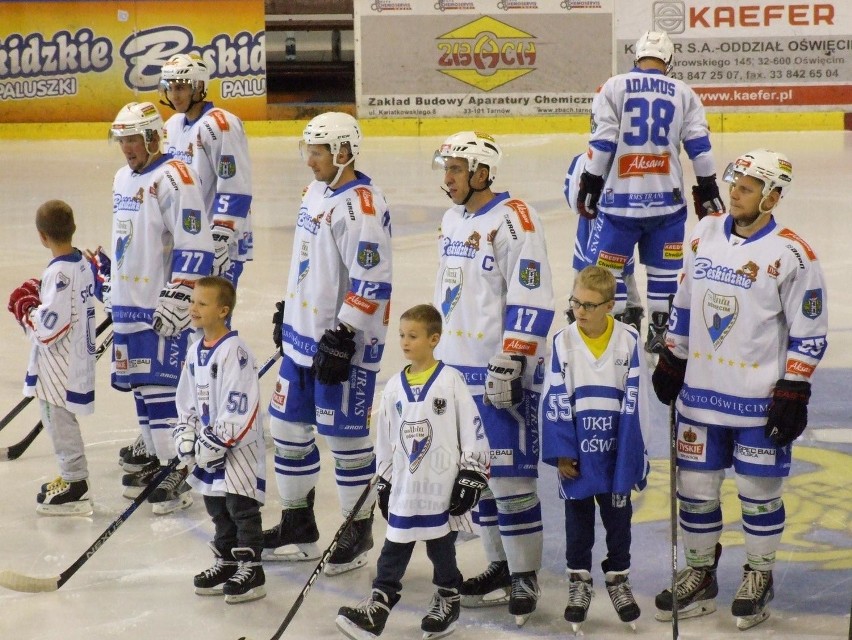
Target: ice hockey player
747	330
494	291
332	331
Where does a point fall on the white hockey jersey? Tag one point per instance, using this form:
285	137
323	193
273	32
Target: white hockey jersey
424	437
746	313
159	234
219	389
639	120
340	271
494	289
61	368
216	148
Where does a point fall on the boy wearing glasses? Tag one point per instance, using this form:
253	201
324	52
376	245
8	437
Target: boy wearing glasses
594	410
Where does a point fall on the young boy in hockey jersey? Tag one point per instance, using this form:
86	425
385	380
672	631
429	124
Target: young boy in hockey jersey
593	411
426	411
219	430
58	316
748	329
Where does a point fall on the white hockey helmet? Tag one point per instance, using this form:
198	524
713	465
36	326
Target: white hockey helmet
475	147
656	44
136	118
185	68
333	128
773	169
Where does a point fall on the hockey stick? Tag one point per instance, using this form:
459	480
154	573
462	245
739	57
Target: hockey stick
673	512
14	452
323	560
25	401
269	362
20	582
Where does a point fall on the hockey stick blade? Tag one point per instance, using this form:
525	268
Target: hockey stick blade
323	561
20	582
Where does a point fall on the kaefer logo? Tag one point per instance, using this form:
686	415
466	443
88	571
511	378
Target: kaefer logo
486	53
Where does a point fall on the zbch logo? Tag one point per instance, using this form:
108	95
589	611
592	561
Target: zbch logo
486	53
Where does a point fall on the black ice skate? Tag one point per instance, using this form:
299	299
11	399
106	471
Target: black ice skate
367	620
134	483
632	316
657	332
351	551
489	588
443	613
579	598
211	582
294	537
172	493
696	592
618	587
524	596
52	485
137	458
248	581
63	498
127	450
755	592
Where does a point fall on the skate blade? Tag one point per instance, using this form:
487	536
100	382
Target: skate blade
184	501
434	635
577	628
210	591
292	553
252	594
493	599
337	569
352	630
747	622
701	608
79	508
521	620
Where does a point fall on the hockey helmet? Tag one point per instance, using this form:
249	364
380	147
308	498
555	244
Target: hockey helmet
185	68
136	118
773	169
333	128
656	44
475	147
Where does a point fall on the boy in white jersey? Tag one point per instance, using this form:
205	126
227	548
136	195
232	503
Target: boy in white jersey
58	316
219	430
426	411
747	330
633	183
495	295
593	411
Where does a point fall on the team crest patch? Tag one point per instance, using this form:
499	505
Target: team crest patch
214	370
416	438
368	254
530	274
227	167
62	281
720	314
812	304
242	357
451	284
191	221
439	406
398	406
304	262
124	233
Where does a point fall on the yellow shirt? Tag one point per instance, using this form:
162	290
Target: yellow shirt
598	345
419	379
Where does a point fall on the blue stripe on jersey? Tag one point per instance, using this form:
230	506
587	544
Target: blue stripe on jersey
236	205
679	321
80	398
533	321
603	145
417	521
696	146
724	403
122	314
644	200
813	347
598	391
192	262
473	376
305	345
369	289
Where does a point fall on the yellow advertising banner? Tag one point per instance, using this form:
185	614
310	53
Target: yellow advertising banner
71	61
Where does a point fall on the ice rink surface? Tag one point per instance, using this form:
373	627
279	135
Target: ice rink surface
139	584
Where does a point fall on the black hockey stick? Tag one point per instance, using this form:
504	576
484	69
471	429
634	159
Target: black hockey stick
323	560
269	362
25	401
20	582
673	512
16	450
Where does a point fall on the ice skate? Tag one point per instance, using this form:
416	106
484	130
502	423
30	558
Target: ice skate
63	498
351	551
134	483
294	538
248	581
211	582
632	316
524	596
443	613
367	620
753	596
580	595
489	588
656	341
127	450
172	494
696	592
48	486
137	458
618	587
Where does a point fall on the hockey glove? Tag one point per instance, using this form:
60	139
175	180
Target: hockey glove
334	351
383	489
504	384
788	411
705	197
172	313
469	484
102	270
184	436
23	299
588	195
223	236
668	376
619	500
277	326
209	450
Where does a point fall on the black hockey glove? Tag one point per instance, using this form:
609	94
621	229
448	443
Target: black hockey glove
383	489
788	411
469	484
588	195
277	325
705	197
668	376
334	351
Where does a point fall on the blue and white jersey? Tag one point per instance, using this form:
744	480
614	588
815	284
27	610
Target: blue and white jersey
424	436
595	411
159	234
747	312
216	148
639	121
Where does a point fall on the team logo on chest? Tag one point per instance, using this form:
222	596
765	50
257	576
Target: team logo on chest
451	284
304	262
416	438
720	314
439	406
